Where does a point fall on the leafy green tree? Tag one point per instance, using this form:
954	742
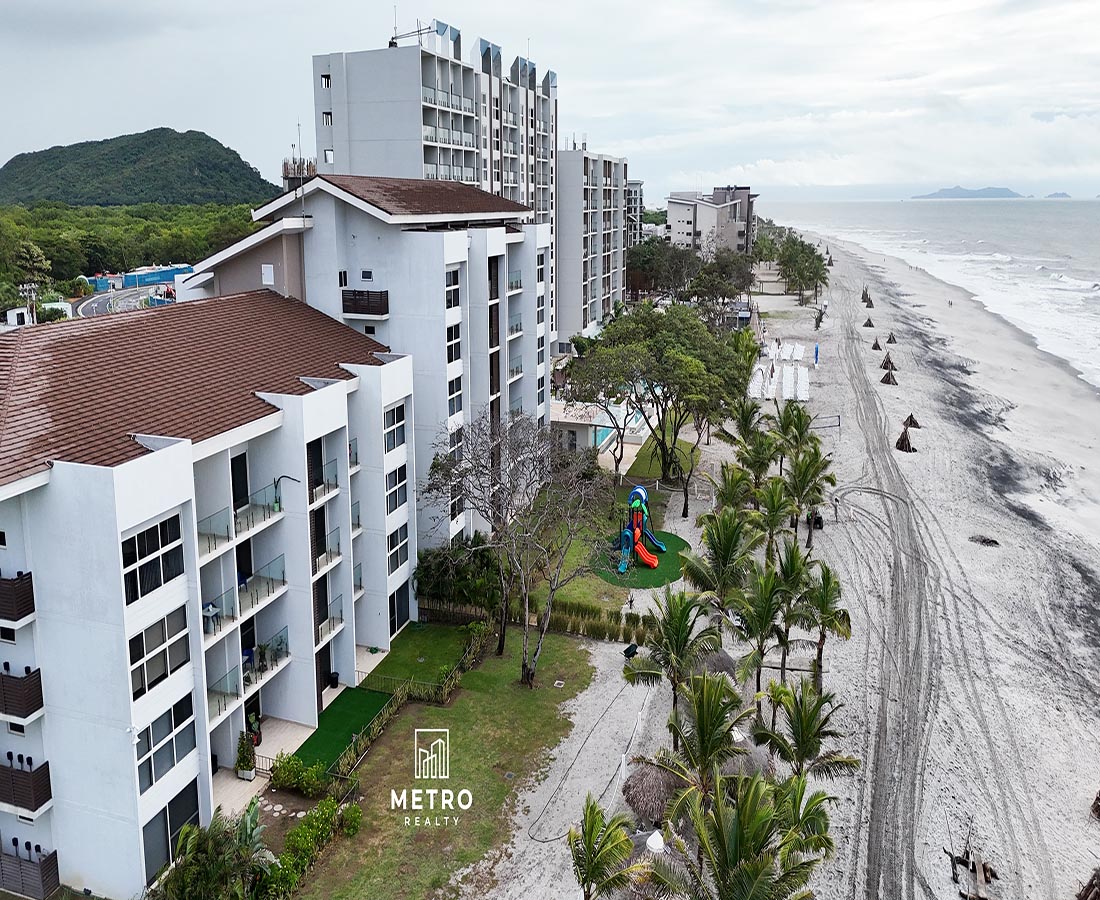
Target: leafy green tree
605	380
733	487
601	849
805	727
823	599
31	263
677	644
773	509
655	217
729	540
464	572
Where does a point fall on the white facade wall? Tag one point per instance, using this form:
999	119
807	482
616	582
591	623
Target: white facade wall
635	206
592	241
66	528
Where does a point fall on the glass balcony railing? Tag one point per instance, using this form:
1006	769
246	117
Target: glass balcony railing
260	662
219	612
467	139
267	580
429	133
431	173
334	620
515	369
515	280
328	551
356	520
262	506
223	692
428	93
444	173
467	105
468	175
357	577
515	325
353	453
326	482
215	531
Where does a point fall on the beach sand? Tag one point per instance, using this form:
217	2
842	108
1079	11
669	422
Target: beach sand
970	685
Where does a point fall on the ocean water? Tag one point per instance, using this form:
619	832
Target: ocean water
1034	262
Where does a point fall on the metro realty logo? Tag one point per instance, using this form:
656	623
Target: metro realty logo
432	749
431	762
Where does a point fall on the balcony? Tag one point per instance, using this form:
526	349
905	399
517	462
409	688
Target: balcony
444	173
515	280
353	455
467	105
356	519
456	101
468	140
430	173
260	587
430	134
515	326
223	693
324	484
333	622
219	612
20	695
23	786
468	175
35	877
16	597
357	579
328	551
215	531
259	663
515	370
262	508
428	93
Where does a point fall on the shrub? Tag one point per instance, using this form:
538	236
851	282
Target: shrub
313	781
246	753
614	617
303	845
286	772
633	619
351	818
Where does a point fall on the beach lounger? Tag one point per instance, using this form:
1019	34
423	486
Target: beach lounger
788	382
803	391
798	352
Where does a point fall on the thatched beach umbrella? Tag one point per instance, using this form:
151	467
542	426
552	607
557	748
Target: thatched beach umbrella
870	303
718	661
887	363
891	339
889	378
756	760
868	323
911	422
866	295
902	443
876	345
648	790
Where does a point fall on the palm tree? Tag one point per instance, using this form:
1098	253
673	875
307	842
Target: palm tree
806	480
732	488
805	720
805	818
756	456
707	737
745	850
774	509
601	850
730	541
794	573
251	859
675	646
792	429
823	600
747	417
818	274
759	605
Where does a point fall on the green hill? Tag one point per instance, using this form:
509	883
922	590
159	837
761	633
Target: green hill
158	166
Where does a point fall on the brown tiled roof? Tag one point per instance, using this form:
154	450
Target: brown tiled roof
77	390
421	197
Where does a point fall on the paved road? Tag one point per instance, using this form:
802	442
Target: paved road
112	301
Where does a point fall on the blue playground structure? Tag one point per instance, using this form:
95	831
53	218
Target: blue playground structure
633	534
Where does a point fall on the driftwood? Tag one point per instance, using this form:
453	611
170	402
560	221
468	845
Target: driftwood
1091	890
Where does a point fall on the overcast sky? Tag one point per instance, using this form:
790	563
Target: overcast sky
857	98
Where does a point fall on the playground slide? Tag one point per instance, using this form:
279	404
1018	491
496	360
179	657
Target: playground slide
661	548
626	542
644	555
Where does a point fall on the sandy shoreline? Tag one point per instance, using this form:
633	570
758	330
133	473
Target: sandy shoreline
970	683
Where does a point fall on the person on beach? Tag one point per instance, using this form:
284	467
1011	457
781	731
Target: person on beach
836	509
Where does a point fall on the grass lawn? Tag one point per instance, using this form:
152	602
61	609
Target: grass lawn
348	714
648	464
496	727
436	645
640	576
591	588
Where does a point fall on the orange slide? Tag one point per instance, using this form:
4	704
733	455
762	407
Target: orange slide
643	554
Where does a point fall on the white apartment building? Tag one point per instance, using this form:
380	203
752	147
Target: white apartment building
445	272
425	111
198	525
725	216
591	241
635	206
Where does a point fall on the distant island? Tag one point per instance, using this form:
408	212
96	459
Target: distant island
1058	195
158	166
961	193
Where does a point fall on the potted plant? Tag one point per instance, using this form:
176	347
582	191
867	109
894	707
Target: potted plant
246	757
254	727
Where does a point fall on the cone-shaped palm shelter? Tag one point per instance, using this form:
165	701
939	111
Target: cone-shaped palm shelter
870	303
911	422
891	339
889	378
888	363
902	443
876	345
868	323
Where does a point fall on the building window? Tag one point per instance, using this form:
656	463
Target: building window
154	655
399	608
541	268
454	343
540	308
397	553
326	81
455	441
394	427
329	156
152	557
542	389
267	274
7	635
16	728
396	489
367	275
3	539
342	278
326	118
452	289
542	349
160	834
458	502
454	396
167	741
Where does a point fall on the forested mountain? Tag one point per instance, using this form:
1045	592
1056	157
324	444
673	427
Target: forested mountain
158	166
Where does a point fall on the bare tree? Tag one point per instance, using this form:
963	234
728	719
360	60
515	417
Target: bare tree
537	502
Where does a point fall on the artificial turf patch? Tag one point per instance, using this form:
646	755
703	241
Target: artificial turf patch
638	575
346	716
